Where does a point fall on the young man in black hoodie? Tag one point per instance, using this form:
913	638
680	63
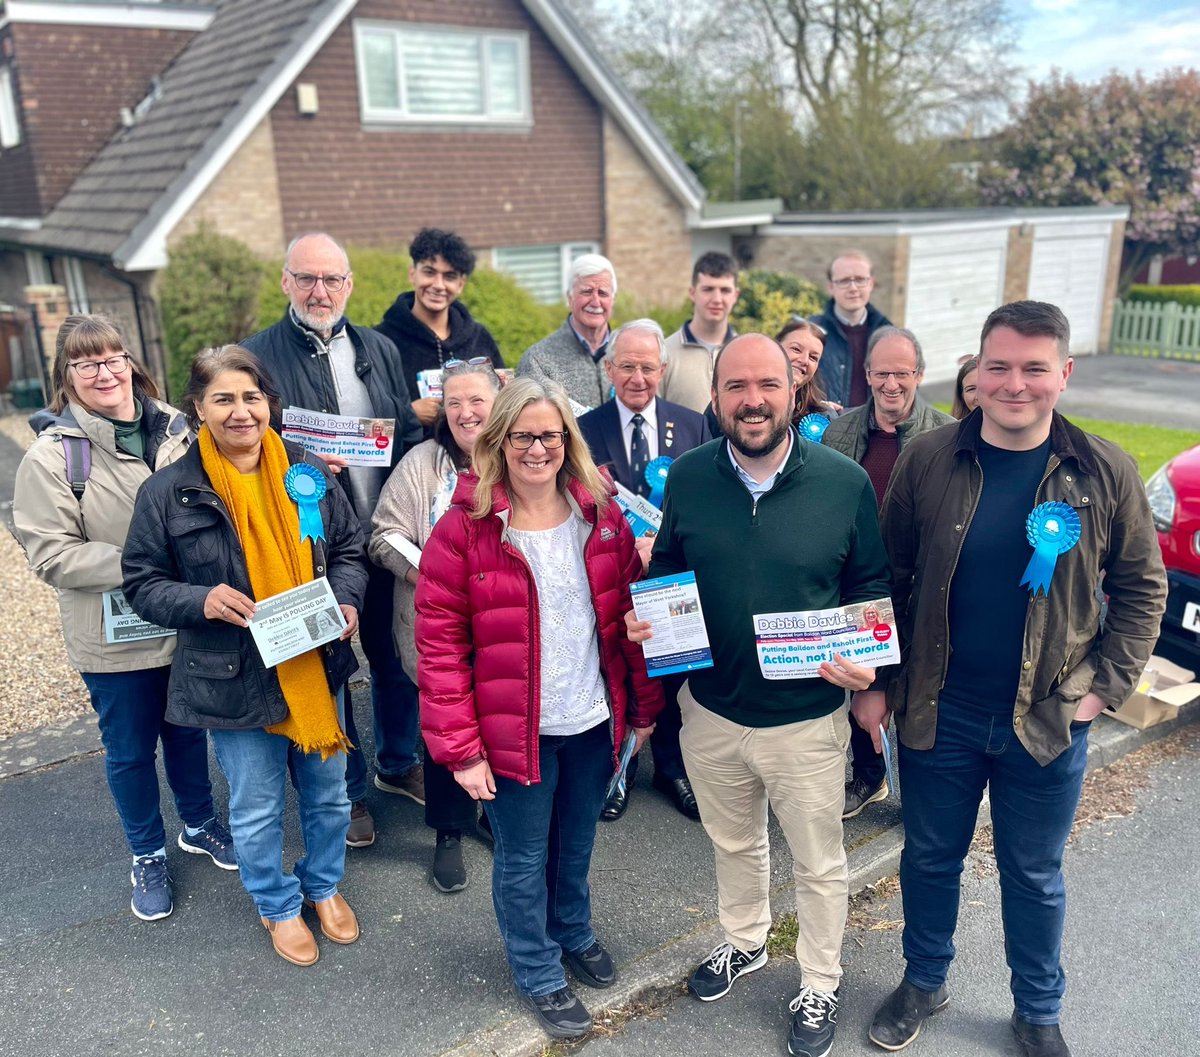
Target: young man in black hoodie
427	324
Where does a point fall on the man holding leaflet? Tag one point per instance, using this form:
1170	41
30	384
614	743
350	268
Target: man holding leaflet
731	514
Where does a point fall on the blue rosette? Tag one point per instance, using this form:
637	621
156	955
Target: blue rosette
656	478
306	486
813	426
1052	529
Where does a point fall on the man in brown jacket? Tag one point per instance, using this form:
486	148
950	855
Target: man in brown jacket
999	531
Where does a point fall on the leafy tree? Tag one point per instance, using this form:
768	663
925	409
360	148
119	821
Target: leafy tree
208	296
1121	141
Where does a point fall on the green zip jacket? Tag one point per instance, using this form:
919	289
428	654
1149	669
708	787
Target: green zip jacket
812	542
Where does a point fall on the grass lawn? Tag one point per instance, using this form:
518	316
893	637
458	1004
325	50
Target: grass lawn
1150	446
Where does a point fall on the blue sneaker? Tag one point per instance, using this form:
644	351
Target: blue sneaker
151	888
213	840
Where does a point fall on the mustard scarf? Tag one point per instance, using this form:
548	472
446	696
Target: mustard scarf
278	560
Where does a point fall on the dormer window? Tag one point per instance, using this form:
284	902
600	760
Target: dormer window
10	122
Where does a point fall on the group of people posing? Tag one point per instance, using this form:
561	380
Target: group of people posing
509	645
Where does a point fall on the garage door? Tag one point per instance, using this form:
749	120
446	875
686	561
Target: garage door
1069	269
954	280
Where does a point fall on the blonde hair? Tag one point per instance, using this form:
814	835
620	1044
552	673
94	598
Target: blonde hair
488	454
81	337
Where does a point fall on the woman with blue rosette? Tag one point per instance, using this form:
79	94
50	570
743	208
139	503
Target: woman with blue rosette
245	516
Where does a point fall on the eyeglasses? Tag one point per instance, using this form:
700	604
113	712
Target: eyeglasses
458	365
852	280
552	438
91	368
883	376
628	370
332	283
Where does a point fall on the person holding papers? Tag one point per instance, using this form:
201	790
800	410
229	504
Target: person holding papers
101	437
416	495
631	436
528	682
242	516
770	523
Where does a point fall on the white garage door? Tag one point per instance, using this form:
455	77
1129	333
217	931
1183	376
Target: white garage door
1069	269
954	280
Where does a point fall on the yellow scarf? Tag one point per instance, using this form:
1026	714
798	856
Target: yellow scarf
278	560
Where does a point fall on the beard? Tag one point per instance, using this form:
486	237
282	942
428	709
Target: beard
755	450
316	316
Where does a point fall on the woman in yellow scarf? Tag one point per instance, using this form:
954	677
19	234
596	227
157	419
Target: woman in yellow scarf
242	517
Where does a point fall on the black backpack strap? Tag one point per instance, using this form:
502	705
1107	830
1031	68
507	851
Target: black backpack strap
78	453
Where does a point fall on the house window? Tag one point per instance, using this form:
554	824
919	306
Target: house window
542	270
77	295
10	125
413	74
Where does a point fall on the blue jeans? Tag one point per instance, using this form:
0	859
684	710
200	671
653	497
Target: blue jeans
256	764
131	706
544	837
1032	811
393	694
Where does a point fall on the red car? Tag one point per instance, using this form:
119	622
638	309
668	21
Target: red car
1174	494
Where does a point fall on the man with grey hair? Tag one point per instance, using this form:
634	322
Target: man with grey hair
321	362
873	435
628	435
571	355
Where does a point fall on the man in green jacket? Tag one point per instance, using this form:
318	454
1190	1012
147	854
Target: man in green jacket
769	523
999	532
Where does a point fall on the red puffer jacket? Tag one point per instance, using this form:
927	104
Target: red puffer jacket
477	635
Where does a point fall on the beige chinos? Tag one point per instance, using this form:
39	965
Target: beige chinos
799	769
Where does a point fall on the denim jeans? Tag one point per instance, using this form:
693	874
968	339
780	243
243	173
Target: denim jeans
393	694
131	706
544	836
256	764
1032	810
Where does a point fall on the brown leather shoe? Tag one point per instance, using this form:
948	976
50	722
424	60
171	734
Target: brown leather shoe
293	940
338	922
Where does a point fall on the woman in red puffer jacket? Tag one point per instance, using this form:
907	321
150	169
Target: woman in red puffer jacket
528	681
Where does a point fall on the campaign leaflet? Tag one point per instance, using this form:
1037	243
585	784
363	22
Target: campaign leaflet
672	605
122	624
643	516
429	381
794	645
296	621
360	441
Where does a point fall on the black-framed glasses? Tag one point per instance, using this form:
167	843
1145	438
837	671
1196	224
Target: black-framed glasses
306	281
91	368
552	438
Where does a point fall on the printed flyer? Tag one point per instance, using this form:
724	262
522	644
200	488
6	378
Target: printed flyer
643	516
360	441
122	624
794	645
672	605
296	621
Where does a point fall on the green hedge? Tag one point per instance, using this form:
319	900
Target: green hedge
770	299
1183	295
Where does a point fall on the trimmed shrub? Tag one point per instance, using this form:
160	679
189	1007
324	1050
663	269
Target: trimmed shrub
208	295
770	299
1183	295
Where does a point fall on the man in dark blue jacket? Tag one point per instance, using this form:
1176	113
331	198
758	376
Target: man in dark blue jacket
849	320
321	362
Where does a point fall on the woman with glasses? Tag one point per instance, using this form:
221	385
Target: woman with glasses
528	680
416	495
103	434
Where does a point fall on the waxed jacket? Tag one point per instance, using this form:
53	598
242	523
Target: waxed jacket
182	543
835	366
932	497
74	543
850	433
477	634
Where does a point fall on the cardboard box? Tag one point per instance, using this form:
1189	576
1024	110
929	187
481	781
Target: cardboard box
1163	689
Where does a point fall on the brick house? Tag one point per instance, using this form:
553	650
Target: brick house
124	125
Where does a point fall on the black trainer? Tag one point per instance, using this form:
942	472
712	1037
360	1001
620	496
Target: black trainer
593	966
714	978
449	871
860	794
1039	1040
560	1014
814	1022
898	1021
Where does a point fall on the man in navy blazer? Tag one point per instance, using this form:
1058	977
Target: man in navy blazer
626	435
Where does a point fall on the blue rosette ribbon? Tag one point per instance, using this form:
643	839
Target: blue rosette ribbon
656	478
306	486
813	426
1052	529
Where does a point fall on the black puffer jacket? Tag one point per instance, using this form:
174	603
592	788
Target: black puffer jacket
181	544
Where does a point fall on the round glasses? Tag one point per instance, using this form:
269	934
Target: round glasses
552	438
332	283
91	368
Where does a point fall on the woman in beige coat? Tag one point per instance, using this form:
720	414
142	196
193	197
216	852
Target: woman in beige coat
103	434
415	496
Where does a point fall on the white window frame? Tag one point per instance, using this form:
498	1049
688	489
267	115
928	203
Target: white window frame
10	119
77	295
567	253
388	116
37	268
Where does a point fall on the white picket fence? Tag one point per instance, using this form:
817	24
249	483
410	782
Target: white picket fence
1165	330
